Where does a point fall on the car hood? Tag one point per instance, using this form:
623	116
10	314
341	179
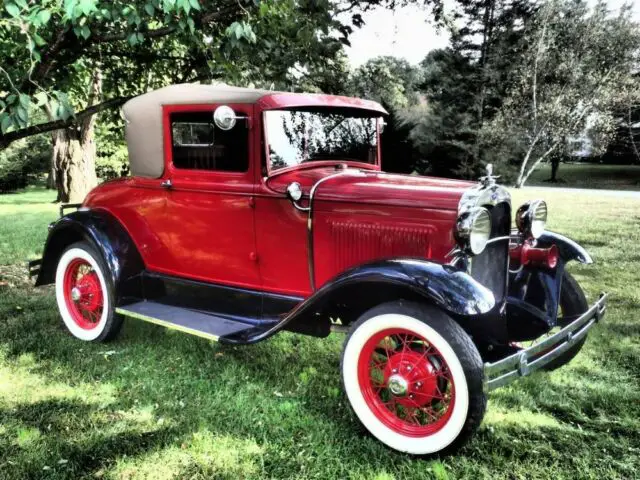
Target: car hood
391	189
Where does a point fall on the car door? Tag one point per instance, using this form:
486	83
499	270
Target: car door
208	226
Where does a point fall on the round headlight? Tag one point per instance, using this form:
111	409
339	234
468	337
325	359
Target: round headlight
473	230
531	218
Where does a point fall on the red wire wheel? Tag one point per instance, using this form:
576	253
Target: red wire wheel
406	382
83	294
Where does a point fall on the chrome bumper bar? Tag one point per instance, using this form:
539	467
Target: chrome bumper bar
518	365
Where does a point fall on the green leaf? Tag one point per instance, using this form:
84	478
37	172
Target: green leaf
192	24
42	98
238	30
150	9
38	39
44	16
69	8
85	32
21	3
195	4
25	101
5	122
87	6
23	114
133	39
13	9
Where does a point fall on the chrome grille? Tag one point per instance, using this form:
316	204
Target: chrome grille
490	267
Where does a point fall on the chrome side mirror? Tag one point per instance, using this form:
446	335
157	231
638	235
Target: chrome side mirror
225	118
294	193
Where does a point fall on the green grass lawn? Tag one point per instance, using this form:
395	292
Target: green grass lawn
161	404
589	175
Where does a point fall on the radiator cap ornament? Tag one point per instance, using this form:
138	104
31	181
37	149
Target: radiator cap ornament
489	179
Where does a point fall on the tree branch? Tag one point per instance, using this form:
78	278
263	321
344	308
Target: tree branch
159	32
10	137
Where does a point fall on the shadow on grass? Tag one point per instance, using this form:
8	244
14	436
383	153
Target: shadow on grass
50	439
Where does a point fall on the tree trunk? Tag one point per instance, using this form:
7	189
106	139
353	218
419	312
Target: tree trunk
73	162
555	164
51	177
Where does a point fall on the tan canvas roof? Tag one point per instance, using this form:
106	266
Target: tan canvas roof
143	115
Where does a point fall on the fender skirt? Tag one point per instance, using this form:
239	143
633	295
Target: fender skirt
569	250
444	286
108	236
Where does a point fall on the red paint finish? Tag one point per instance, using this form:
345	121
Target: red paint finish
81	278
427	404
240	229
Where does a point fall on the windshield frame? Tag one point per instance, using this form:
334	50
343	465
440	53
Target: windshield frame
378	116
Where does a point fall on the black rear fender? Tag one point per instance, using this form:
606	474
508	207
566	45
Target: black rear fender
108	236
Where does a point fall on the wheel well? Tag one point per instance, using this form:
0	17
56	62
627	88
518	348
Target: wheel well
350	302
55	246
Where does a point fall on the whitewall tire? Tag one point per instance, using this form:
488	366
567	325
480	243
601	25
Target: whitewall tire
413	378
84	294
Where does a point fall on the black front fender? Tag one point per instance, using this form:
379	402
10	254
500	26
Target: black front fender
354	291
569	250
108	236
452	290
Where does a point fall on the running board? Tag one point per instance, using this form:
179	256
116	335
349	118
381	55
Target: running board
196	323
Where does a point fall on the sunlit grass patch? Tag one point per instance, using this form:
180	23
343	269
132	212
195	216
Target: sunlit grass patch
497	417
27	437
200	455
19	386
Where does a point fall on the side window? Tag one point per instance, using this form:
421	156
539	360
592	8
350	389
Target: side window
197	144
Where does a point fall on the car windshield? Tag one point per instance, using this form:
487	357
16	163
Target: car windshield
298	136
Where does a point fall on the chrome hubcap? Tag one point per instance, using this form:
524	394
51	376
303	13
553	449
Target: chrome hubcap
398	385
75	294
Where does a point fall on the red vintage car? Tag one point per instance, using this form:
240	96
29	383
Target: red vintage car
249	212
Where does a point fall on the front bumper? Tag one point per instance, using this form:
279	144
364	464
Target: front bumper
518	365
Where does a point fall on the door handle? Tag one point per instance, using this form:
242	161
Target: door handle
166	183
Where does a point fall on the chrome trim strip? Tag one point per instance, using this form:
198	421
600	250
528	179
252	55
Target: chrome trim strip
507	370
310	261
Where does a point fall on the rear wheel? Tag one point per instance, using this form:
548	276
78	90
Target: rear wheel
414	378
84	294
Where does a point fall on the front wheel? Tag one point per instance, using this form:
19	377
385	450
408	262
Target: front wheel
414	378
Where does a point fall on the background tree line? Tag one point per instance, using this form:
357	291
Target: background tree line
522	82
